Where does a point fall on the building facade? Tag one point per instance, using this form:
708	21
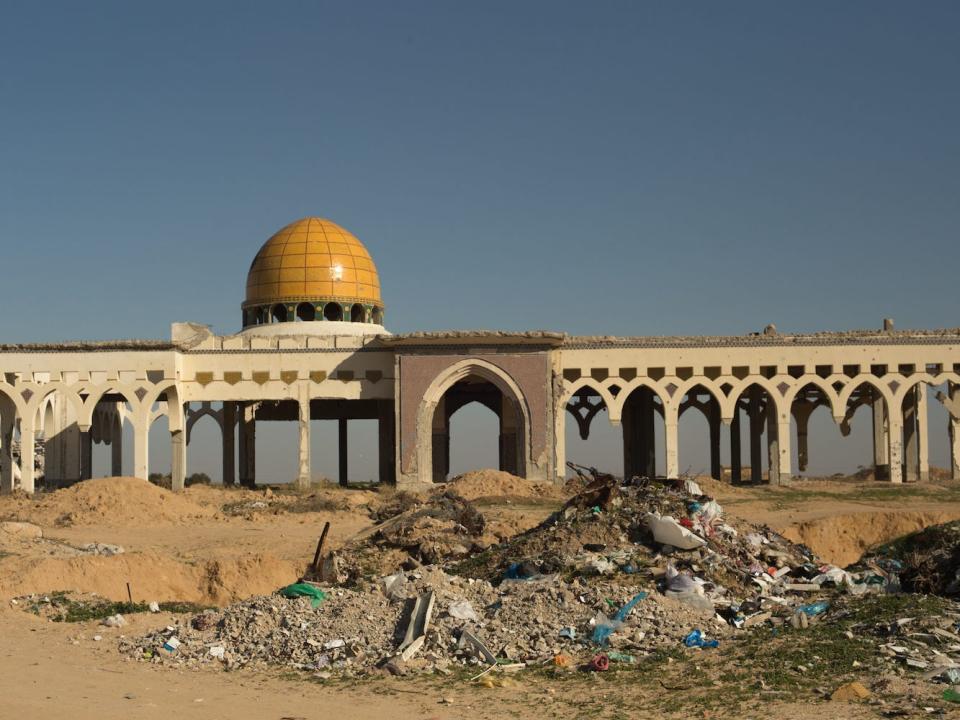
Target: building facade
313	346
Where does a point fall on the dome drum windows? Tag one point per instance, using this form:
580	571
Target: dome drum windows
313	311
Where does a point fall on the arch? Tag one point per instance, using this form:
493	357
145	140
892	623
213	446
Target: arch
587	382
306	312
627	389
829	394
377	315
357	313
194	415
473	367
737	389
333	312
95	394
853	384
278	313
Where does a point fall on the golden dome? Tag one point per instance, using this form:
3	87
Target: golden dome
313	259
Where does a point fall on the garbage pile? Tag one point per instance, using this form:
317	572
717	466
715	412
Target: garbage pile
927	561
619	571
416	531
469	623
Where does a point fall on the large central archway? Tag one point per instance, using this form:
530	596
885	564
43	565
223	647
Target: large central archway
463	383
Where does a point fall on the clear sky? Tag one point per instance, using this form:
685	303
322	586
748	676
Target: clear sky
605	167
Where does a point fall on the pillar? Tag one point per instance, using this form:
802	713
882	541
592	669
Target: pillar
27	456
7	423
141	444
785	465
923	434
86	455
714	421
895	445
178	460
344	469
303	453
386	437
671	442
911	438
116	446
639	444
756	430
229	448
441	441
248	445
801	410
509	436
881	465
953	430
736	470
773	442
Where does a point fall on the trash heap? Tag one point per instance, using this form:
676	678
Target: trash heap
618	573
927	561
471	623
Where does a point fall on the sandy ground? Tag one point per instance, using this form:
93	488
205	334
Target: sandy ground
212	545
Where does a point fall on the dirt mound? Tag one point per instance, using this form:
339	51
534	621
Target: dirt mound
152	576
498	484
124	501
843	539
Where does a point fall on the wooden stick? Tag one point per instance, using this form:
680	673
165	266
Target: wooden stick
316	556
129	594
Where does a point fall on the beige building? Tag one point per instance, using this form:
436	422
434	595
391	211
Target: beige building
313	346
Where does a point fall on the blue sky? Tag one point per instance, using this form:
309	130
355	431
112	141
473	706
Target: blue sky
623	168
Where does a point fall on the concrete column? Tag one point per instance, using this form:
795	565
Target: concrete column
141	444
802	410
648	448
773	443
248	445
178	460
116	446
441	441
509	436
895	445
86	455
881	465
756	431
229	447
303	468
923	433
671	442
736	471
7	423
716	471
785	469
911	438
344	469
386	436
27	455
953	429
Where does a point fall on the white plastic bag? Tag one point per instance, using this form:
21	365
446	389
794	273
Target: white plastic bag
668	531
463	610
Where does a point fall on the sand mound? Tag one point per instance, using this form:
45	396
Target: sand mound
110	501
152	576
843	539
498	484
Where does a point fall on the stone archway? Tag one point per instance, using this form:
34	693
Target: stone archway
462	383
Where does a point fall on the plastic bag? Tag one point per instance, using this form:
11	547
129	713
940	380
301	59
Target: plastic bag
696	639
296	590
463	610
668	531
